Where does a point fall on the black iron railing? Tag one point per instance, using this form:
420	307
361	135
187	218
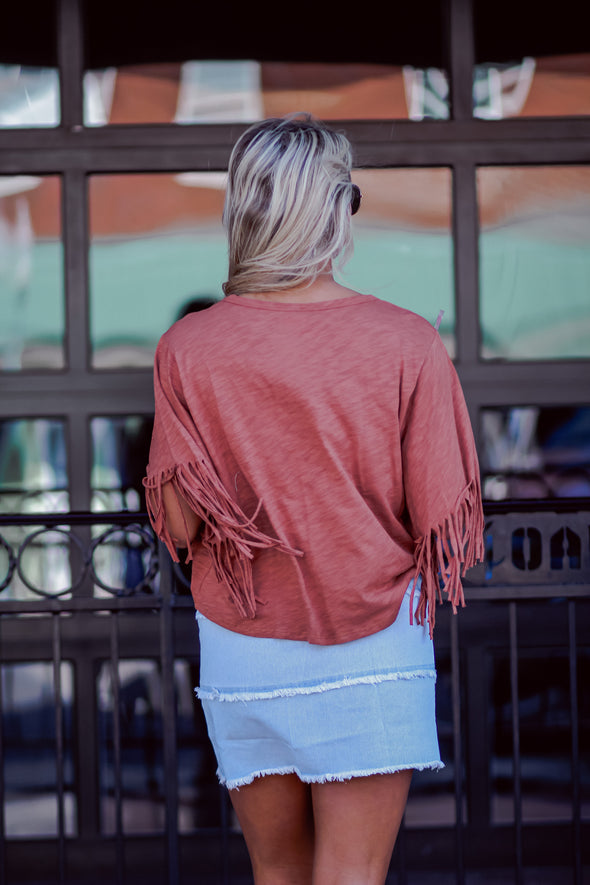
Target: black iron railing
96	600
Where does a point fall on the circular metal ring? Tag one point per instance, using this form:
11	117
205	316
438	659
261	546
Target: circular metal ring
27	543
12	561
152	566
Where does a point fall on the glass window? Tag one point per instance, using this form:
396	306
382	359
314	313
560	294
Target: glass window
31	273
199	795
545	736
432	801
141	774
120	448
534	262
403	248
29	750
33	479
29	97
244	91
535	452
33	466
157	250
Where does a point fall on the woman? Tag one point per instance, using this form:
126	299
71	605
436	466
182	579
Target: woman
313	452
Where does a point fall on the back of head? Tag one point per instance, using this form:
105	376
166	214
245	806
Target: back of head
288	204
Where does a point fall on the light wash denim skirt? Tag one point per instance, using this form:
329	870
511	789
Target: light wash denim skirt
324	713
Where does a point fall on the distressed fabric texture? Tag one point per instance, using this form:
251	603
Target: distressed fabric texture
328	449
321	712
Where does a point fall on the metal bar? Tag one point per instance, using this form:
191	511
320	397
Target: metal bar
466	263
462	55
87	751
378	155
59	748
401	854
127	517
224	846
563	382
576	795
3	880
169	715
457	752
516	743
69	47
214	140
75	234
117	767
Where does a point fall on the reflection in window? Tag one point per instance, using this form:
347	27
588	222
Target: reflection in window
29	97
245	91
141	776
157	250
545	736
31	273
432	801
403	242
535	452
33	469
120	448
534	262
30	752
33	479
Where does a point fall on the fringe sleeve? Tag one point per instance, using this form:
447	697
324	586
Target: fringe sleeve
442	486
444	554
178	456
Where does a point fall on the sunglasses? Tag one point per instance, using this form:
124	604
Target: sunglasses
356	199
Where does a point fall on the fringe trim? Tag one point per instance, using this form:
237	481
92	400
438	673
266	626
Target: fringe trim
445	553
214	694
236	783
229	536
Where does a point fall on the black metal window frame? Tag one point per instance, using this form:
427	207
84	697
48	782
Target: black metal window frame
78	392
461	143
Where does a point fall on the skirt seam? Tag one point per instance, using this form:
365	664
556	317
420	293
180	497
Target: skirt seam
215	694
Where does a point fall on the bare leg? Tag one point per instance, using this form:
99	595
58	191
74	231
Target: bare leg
276	817
356	825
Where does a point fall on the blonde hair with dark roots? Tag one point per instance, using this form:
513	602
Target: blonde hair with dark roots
287	205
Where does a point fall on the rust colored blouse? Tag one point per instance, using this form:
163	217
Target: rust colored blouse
328	450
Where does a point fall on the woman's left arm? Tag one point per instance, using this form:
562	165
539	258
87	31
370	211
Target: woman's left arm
182	523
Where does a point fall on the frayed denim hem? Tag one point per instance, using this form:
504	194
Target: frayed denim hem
215	694
236	783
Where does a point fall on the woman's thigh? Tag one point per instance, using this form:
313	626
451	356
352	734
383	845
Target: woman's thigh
276	817
356	825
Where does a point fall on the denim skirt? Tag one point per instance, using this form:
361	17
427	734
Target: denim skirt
322	712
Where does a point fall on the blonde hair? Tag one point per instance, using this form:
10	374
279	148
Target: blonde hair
287	206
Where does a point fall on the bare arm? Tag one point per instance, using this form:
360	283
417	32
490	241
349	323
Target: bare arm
182	522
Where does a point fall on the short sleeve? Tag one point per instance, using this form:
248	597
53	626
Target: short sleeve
441	482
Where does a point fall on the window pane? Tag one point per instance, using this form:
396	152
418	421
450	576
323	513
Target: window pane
33	468
120	448
544	733
245	91
29	750
123	561
403	250
199	795
528	65
31	273
29	97
141	775
534	262
157	250
33	479
535	452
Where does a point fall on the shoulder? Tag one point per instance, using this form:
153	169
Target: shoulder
409	329
196	323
